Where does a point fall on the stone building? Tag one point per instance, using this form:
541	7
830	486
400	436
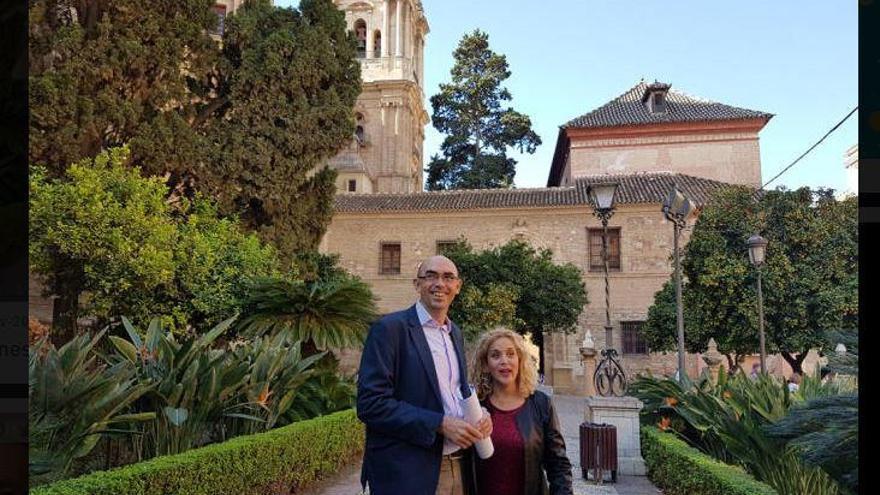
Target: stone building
386	153
646	140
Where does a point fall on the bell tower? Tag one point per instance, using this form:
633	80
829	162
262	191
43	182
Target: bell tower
385	154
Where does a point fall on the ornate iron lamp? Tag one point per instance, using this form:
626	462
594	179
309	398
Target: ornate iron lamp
757	253
677	207
609	377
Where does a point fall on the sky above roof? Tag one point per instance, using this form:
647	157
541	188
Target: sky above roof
794	59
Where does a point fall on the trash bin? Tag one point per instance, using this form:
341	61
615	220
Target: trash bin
598	450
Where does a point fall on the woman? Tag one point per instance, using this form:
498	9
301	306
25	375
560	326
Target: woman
525	430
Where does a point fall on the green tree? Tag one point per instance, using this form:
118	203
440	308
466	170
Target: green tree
102	73
249	125
109	245
478	309
549	297
479	131
809	277
289	81
103	230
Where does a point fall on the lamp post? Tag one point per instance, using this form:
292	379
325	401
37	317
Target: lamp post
609	376
757	251
602	196
677	207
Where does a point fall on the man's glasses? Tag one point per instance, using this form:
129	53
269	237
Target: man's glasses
434	276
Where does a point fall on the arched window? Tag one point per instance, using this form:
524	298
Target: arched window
359	133
360	32
377	43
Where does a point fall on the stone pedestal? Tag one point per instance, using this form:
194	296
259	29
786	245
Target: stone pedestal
713	359
588	357
623	413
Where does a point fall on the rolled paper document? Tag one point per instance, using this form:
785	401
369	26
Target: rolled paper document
472	414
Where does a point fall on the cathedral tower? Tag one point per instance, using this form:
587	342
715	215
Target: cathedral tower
386	152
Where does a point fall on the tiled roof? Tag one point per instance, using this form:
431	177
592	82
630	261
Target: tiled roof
634	189
630	109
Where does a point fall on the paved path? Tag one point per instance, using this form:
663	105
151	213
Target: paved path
571	414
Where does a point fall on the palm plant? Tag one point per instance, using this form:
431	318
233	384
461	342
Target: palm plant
825	431
196	386
276	373
325	392
824	428
727	420
331	312
75	400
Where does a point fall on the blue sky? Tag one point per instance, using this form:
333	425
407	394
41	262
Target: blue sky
795	59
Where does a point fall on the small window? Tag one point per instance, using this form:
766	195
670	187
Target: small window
659	103
389	262
377	44
352	185
360	33
444	246
359	135
220	10
633	342
596	263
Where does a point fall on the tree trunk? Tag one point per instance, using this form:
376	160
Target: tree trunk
65	312
731	363
796	362
65	309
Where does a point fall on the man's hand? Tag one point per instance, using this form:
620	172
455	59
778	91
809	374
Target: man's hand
460	431
485	424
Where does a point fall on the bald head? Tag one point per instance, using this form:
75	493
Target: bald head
437	284
435	260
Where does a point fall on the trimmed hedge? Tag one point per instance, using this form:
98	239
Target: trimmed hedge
276	461
679	469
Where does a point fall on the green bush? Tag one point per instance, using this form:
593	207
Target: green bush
278	461
677	468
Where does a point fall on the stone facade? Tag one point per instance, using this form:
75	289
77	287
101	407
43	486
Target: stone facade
646	244
723	151
691	139
389	113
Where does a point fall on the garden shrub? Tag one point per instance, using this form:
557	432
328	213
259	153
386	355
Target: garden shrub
677	468
283	460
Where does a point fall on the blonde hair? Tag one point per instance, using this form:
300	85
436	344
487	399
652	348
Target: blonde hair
527	375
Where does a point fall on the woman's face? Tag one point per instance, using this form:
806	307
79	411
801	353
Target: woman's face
503	362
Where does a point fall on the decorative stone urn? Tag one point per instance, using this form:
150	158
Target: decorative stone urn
713	359
588	358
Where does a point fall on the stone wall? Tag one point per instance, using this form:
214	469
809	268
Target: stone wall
733	157
646	247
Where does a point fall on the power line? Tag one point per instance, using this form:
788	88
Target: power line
811	147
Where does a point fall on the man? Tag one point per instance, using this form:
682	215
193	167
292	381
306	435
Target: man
411	379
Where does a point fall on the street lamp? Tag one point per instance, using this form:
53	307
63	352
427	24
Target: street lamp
757	252
609	377
602	196
677	207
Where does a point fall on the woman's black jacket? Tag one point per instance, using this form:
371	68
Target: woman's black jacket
544	448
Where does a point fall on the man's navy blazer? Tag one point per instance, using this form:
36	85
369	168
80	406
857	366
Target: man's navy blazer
398	399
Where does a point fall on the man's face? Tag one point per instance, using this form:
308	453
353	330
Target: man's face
437	283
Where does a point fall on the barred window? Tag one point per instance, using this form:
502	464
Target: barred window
595	236
389	260
352	185
633	343
443	246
